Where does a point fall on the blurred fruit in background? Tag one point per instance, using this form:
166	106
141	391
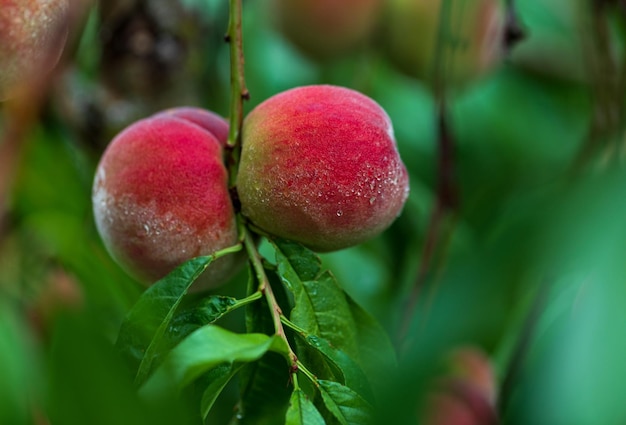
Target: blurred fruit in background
325	29
465	394
32	37
455	42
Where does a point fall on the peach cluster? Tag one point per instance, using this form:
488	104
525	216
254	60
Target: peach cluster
326	28
319	165
459	41
160	195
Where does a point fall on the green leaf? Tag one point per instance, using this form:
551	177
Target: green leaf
331	318
265	391
147	322
346	405
87	381
205	349
321	307
265	388
207	311
377	354
302	411
303	262
217	378
19	368
347	369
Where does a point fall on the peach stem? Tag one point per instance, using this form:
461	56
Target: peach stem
266	289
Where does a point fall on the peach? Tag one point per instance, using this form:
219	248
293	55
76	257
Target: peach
449	408
471	46
32	37
160	196
319	165
466	395
210	121
326	28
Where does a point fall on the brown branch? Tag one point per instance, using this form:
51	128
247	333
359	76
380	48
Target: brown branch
266	289
239	91
20	114
514	31
607	83
446	204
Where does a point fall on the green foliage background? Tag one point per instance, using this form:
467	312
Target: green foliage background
533	271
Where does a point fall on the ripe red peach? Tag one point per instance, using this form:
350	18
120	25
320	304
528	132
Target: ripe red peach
210	121
326	28
471	41
32	37
160	196
320	166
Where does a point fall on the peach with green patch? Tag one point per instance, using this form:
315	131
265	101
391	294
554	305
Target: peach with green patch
326	28
320	166
465	36
160	196
32	37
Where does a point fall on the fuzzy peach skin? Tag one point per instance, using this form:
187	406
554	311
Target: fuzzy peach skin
208	120
32	37
319	165
326	28
160	197
472	46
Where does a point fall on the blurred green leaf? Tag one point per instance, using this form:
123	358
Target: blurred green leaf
377	354
88	382
18	368
302	411
574	368
265	390
217	377
52	165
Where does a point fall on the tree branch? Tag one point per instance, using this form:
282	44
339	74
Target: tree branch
446	204
607	83
239	92
266	289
